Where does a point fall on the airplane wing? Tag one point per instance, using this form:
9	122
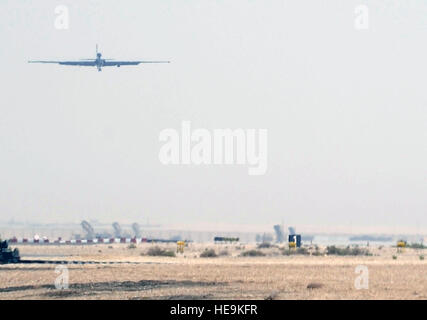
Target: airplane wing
69	63
129	63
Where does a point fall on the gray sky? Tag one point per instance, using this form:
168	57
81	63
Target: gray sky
345	109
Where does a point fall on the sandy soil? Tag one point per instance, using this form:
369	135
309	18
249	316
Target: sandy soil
187	276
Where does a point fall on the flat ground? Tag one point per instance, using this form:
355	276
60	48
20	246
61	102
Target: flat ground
230	276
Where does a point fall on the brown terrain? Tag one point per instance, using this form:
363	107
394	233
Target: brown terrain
392	274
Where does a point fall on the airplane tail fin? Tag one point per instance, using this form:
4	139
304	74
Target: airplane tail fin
98	55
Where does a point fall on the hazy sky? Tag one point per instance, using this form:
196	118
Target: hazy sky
345	110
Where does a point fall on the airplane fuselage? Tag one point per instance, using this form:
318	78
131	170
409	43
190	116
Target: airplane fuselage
99	62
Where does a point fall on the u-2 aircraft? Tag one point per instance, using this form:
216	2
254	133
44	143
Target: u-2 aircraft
99	62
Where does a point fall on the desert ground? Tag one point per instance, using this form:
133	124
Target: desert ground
391	274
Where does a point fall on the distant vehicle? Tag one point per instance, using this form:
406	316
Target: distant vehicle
8	255
98	62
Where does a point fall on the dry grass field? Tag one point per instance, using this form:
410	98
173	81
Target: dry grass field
228	276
